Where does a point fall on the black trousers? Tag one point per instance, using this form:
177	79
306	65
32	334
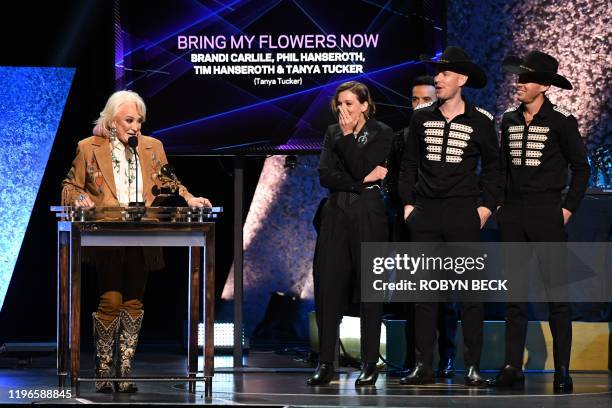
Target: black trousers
446	220
447	330
347	220
535	218
448	314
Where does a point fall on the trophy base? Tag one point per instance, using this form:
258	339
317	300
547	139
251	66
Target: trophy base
134	212
169	200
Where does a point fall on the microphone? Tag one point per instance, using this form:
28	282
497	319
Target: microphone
133	143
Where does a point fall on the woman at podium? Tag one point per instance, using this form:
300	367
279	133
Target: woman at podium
119	166
352	168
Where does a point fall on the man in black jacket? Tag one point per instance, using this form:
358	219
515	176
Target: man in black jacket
423	92
538	142
444	198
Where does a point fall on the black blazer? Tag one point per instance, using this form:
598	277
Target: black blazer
346	160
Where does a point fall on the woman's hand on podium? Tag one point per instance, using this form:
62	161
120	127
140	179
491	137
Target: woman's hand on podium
83	200
199	202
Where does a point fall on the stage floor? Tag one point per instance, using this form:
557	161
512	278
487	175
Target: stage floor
270	378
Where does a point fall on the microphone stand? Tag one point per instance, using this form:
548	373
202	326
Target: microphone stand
133	143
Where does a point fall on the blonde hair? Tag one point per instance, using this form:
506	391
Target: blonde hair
103	123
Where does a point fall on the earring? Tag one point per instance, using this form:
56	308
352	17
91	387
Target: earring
113	134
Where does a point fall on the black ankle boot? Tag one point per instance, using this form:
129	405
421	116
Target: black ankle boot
509	376
472	377
368	376
562	381
323	375
420	375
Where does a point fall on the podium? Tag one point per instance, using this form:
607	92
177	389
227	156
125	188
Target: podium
152	226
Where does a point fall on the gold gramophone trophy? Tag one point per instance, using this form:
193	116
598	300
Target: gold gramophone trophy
168	194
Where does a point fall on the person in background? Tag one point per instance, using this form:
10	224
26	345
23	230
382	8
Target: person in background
423	90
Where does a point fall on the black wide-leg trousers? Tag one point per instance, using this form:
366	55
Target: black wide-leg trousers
446	220
347	220
535	218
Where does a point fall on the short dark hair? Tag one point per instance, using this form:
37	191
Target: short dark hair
423	80
362	93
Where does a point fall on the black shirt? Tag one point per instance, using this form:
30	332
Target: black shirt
534	158
441	158
346	160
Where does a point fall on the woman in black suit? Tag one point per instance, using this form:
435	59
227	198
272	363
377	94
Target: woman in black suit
352	168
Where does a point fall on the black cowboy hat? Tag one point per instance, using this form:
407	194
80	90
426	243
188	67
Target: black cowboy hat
456	59
537	67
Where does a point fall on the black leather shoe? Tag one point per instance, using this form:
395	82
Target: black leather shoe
473	377
446	368
420	375
509	376
323	375
398	373
368	376
562	381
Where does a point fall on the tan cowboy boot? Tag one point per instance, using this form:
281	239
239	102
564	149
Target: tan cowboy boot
104	341
128	340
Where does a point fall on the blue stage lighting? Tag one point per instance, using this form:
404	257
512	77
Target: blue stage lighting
31	105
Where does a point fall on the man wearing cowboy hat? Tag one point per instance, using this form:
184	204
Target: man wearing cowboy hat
423	91
538	142
444	198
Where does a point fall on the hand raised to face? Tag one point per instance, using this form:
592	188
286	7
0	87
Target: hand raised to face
347	122
350	112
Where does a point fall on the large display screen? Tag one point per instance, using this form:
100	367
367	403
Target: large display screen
240	77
